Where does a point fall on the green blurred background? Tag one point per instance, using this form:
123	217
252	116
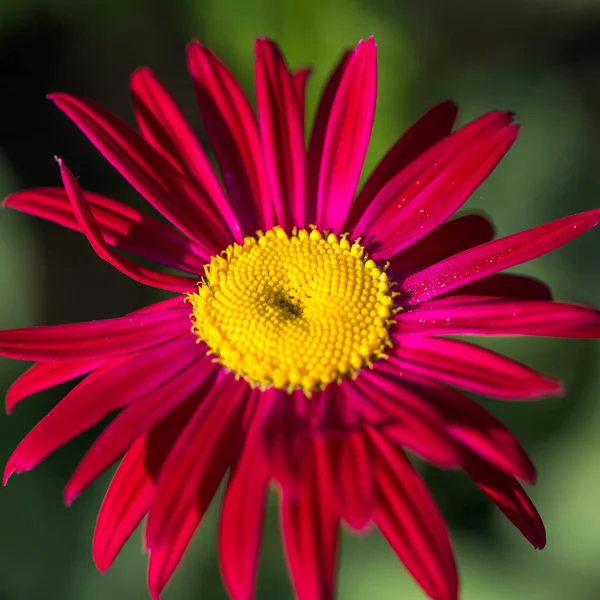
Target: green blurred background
540	58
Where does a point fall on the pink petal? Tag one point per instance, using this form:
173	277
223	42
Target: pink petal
410	521
475	369
198	461
42	376
506	492
96	339
424	171
242	515
411	421
450	238
317	136
165	188
507	285
139	416
405	211
464	420
122	226
163	125
493	316
311	531
347	137
132	489
433	126
234	137
495	256
118	383
92	231
282	134
300	82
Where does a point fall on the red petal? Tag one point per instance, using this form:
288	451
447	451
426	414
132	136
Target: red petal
448	239
310	530
122	226
347	137
85	217
169	192
139	416
233	134
242	514
163	125
495	256
473	315
405	211
96	339
506	492
434	125
410	521
282	134
475	369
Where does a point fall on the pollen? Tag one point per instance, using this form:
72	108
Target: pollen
296	311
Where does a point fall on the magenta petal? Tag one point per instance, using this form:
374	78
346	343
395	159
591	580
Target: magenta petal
42	376
282	134
85	217
198	461
242	515
300	79
317	136
507	285
434	125
407	210
475	369
140	415
165	188
473	315
311	530
163	125
96	339
347	137
122	226
234	138
495	256
412	524
510	497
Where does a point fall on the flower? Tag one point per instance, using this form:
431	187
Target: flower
304	344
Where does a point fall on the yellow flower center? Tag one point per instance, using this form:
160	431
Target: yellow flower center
295	311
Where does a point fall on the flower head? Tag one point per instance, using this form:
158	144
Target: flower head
304	343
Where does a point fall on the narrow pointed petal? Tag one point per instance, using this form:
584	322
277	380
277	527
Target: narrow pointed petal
89	226
43	376
234	138
163	186
116	384
490	258
347	137
121	226
282	135
300	83
317	135
412	524
448	239
507	285
468	424
163	125
475	369
242	514
434	125
140	415
311	530
408	212
96	339
493	316
510	497
198	461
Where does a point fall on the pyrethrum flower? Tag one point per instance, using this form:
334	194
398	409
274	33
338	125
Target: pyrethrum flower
304	343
